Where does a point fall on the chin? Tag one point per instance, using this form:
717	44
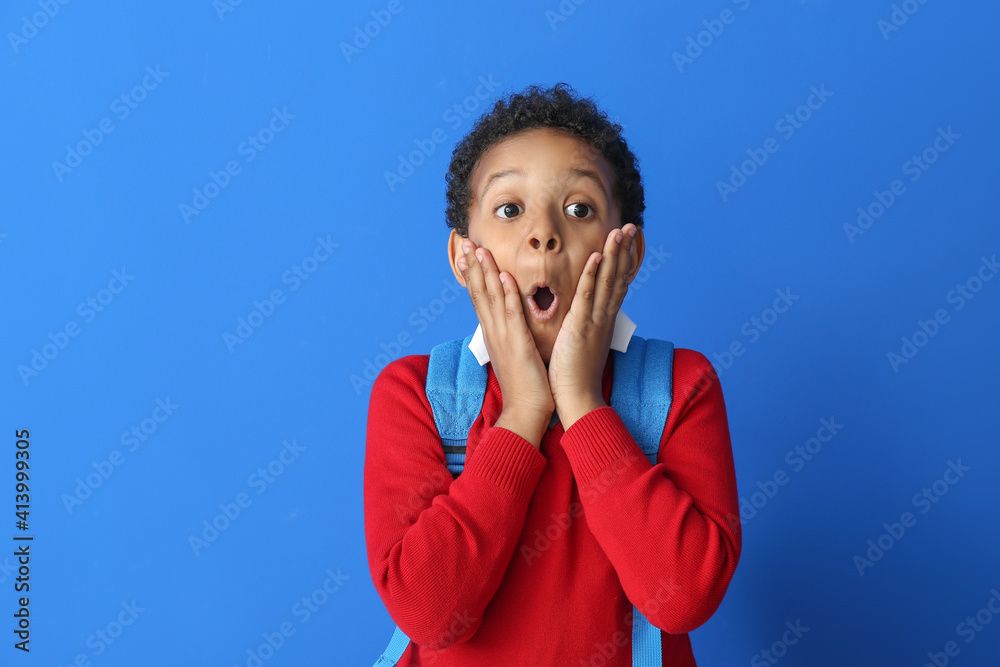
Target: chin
544	350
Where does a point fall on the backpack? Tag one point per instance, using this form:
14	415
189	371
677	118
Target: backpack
641	394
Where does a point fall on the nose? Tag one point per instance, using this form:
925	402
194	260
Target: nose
549	244
544	235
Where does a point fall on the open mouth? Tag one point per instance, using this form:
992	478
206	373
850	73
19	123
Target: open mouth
544	298
543	303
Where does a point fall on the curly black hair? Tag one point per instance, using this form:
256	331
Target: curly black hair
556	107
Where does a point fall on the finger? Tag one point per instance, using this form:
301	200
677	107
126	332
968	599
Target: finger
583	300
513	308
623	266
477	285
605	280
494	288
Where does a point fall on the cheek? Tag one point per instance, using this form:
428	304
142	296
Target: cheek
503	261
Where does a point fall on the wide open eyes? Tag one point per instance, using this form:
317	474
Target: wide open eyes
581	210
507	210
575	210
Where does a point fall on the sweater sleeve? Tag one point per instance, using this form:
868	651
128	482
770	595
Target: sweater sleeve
438	547
670	530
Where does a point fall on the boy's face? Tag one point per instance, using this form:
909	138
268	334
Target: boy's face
541	224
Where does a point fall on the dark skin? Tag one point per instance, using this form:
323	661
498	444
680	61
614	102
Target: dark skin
547	223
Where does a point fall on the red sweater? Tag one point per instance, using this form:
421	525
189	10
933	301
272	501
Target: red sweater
535	556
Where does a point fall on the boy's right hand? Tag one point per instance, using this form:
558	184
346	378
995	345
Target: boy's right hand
524	381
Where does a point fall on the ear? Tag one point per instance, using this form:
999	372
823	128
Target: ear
638	252
455	241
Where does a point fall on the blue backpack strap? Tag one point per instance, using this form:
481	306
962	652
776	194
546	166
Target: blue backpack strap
456	387
641	394
394	651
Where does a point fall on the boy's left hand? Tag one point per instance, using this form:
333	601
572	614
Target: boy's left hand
581	348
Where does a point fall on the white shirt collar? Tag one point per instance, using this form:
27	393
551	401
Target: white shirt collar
624	328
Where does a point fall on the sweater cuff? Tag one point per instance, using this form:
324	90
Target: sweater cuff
509	461
596	441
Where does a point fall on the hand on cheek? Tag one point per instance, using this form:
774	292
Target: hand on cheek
581	348
515	359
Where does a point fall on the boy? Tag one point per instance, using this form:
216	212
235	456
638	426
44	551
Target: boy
536	553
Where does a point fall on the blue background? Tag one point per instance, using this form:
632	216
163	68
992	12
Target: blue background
300	375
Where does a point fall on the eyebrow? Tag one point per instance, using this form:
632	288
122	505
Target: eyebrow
577	171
